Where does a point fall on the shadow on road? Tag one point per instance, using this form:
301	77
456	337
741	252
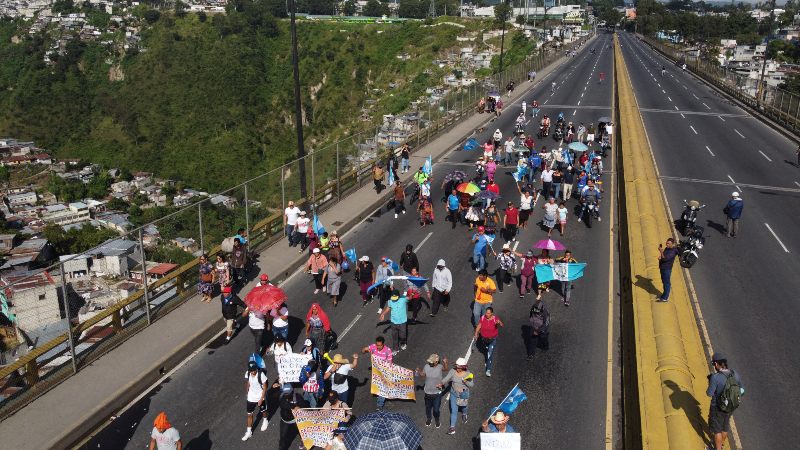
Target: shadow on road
717	226
202	442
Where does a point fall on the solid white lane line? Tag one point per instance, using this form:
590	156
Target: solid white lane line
706	106
709	151
695	131
776	237
734	183
764	155
740	134
720	118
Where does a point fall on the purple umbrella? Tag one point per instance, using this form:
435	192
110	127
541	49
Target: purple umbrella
549	244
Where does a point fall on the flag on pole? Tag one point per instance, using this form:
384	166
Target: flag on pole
351	255
512	400
5	309
318	228
390	182
428	167
559	271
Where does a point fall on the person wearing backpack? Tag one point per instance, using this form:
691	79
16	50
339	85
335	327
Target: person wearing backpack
725	389
255	386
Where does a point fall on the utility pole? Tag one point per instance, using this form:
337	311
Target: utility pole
298	111
432	10
761	91
502	42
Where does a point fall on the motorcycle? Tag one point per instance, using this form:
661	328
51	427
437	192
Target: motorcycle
589	210
689	247
559	133
519	129
689	216
544	131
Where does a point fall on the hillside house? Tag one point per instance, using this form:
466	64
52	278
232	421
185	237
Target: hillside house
8	242
22	198
188	245
29	255
64	215
76	266
155	271
115	221
34	299
115	258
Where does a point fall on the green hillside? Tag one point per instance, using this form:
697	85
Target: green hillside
209	99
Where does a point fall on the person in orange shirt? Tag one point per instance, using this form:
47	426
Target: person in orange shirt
485	288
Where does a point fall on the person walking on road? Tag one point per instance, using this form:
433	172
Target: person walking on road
255	388
566	286
666	259
365	274
527	273
256	321
499	424
230	302
289	402
460	382
379	350
164	436
399	198
441	282
479	251
290	216
332	279
433	372
398	316
382	274
526	202
511	222
317	325
486	336
733	212
316	267
338	372
453	207
408	260
725	389
540	329
485	288
506	262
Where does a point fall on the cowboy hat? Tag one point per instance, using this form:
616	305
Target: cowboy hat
499	418
339	359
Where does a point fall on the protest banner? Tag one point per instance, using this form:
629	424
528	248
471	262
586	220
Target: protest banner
500	441
392	381
316	425
289	366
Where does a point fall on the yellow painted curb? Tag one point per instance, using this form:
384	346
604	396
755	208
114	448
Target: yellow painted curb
670	364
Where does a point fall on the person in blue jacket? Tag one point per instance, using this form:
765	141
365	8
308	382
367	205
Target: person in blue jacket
733	210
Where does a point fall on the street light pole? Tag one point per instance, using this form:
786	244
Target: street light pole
298	112
502	43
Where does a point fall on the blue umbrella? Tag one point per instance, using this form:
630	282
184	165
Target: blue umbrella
578	146
394	143
383	431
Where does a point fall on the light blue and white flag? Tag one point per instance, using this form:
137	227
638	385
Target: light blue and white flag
351	255
520	174
511	402
428	167
319	229
559	271
390	182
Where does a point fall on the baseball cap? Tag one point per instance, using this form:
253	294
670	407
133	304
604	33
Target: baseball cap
226	290
252	366
364	258
264	277
718	357
481	228
735	194
316	250
307	342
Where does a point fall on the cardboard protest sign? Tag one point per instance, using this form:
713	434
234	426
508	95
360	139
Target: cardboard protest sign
500	441
289	366
316	425
392	381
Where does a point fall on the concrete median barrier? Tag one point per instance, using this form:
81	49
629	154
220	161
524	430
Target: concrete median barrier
664	367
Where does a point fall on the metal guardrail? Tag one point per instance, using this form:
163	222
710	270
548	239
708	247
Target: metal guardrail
779	105
55	360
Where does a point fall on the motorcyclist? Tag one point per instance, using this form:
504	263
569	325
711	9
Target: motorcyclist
544	125
590	196
553	87
520	122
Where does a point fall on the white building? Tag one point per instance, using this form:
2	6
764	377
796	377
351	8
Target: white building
22	198
64	215
34	299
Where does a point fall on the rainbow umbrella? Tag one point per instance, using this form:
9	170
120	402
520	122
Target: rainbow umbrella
468	188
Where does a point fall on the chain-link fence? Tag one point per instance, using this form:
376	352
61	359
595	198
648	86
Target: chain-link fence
67	314
778	104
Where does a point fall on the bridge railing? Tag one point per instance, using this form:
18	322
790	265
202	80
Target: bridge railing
76	318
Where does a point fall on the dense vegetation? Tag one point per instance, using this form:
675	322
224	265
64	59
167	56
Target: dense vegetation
209	99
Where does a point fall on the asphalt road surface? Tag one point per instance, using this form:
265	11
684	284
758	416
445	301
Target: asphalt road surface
706	148
567	391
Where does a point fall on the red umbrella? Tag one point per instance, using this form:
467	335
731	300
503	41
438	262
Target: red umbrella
265	298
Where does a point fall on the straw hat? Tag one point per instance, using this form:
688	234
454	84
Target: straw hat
339	359
499	418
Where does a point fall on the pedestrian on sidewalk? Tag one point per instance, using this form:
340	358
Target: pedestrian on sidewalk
164	436
485	288
223	272
379	350
238	260
442	282
365	274
666	259
205	286
409	260
399	198
378	174
230	302
317	325
316	267
290	216
382	274
566	286
405	158
459	381
398	309
486	333
255	388
725	389
540	329
733	212
433	372
301	231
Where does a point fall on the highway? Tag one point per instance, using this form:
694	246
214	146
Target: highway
572	389
747	287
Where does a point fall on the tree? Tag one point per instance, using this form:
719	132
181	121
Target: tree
502	12
349	8
152	16
413	9
374	8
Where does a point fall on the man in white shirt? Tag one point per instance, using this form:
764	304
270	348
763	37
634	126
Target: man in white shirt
508	149
290	216
256	322
547	181
301	228
255	386
280	322
442	282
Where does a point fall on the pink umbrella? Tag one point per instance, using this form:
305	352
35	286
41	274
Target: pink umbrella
549	244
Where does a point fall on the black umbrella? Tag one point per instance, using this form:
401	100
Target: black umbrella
604	119
455	175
